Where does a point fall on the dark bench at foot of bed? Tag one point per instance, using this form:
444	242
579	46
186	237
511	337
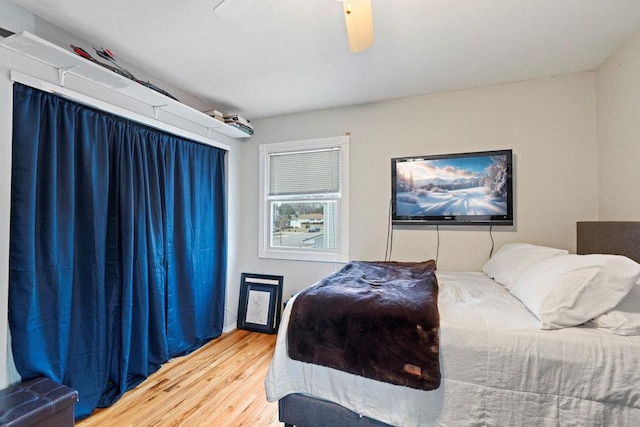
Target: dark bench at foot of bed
302	411
37	402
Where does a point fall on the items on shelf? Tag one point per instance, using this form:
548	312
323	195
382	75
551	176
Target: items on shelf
116	67
216	115
233	120
239	122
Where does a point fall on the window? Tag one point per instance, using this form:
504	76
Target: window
304	200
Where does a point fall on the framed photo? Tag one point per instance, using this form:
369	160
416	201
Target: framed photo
260	300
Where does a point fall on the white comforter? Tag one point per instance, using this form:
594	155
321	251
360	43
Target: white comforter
498	369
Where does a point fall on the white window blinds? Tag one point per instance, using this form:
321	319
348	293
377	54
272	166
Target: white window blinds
305	172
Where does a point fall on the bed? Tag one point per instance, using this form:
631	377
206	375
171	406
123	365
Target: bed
498	366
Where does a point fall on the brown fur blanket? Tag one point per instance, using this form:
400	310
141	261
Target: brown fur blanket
374	319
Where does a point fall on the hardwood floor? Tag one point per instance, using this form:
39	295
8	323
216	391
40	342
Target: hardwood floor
220	384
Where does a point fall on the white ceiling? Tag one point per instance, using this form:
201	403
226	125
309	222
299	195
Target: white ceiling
285	56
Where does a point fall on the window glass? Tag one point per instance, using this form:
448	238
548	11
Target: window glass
304	200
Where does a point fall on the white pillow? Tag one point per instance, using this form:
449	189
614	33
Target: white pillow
624	319
568	290
506	265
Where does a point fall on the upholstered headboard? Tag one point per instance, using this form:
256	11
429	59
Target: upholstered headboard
609	237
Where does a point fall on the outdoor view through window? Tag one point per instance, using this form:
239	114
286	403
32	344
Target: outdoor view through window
304	224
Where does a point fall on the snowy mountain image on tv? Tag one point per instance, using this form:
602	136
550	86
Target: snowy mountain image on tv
452	186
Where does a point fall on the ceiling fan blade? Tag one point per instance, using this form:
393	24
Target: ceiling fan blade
359	20
233	9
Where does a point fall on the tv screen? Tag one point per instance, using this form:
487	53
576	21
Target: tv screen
461	188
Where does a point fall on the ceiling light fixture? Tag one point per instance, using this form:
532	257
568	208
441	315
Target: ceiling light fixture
357	16
359	20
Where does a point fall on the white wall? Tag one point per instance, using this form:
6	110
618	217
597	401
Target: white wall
6	112
617	85
549	124
235	251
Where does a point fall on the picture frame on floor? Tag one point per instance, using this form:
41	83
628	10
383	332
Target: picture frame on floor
259	307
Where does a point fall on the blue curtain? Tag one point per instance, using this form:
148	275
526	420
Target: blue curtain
118	247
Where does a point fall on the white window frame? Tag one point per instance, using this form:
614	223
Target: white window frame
341	252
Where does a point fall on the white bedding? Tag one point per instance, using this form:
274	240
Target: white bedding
498	369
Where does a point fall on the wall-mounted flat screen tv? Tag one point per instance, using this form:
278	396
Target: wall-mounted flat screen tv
448	189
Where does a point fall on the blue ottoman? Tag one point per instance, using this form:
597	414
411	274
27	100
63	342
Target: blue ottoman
37	402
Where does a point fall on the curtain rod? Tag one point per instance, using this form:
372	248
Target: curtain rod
80	98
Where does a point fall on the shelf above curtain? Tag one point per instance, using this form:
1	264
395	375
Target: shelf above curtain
65	69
